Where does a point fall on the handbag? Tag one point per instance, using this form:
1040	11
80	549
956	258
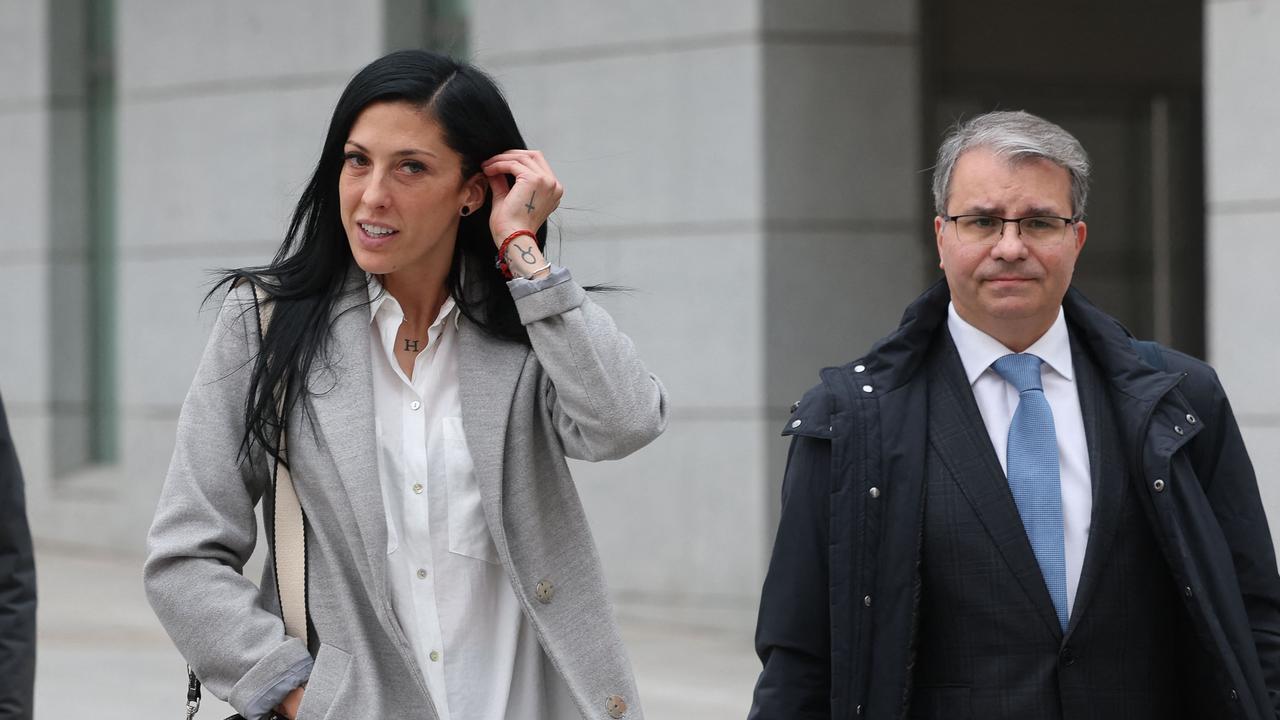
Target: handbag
288	537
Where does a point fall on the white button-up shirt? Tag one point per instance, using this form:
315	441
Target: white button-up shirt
998	400
479	654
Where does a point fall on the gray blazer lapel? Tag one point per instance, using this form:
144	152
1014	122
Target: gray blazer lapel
958	434
341	403
489	370
1108	471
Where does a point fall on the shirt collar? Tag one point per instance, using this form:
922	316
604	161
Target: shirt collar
978	349
380	300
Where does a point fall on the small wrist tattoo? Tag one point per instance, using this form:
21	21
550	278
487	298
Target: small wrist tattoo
529	205
526	254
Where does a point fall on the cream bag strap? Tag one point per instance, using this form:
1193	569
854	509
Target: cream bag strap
288	537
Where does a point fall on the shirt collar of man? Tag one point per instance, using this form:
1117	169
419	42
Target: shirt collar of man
382	301
978	349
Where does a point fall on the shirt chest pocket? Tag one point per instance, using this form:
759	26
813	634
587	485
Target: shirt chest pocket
468	531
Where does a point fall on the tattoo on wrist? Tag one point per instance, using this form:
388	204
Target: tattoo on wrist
526	254
529	205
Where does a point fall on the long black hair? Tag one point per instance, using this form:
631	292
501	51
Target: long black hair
309	271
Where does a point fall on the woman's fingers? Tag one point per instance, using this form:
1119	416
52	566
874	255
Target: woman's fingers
528	202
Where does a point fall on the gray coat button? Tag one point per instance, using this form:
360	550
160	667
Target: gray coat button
615	706
544	591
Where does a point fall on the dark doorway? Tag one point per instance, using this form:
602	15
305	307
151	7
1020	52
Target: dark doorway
1125	78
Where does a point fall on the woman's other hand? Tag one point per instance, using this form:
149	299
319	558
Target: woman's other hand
289	706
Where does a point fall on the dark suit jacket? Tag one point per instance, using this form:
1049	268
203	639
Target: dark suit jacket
17	588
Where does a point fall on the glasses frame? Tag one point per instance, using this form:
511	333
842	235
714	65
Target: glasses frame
995	237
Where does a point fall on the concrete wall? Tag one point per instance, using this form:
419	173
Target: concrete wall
25	247
749	169
1243	213
220	113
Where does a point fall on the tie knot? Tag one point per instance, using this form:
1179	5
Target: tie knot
1020	370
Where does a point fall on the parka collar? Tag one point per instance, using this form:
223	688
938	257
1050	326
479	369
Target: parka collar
894	360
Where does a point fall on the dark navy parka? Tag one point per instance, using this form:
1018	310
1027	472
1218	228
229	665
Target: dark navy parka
839	605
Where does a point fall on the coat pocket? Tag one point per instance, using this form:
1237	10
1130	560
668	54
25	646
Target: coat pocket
328	680
468	531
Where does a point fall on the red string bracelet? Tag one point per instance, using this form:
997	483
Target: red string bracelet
502	252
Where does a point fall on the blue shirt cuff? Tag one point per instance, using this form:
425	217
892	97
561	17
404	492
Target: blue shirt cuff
523	287
294	677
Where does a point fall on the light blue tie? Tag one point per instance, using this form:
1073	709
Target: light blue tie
1032	462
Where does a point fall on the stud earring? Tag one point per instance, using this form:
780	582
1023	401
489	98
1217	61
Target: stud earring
465	211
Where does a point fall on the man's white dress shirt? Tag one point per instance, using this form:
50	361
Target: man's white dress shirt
479	655
998	400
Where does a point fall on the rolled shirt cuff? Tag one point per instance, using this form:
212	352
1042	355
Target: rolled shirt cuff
522	287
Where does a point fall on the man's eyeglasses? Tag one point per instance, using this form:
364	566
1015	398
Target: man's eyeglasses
988	229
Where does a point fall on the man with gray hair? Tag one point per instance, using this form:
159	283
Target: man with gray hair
1009	507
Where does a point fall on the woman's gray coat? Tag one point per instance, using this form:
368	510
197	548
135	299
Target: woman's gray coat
581	392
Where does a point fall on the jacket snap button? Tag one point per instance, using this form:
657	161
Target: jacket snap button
615	706
867	388
867	601
1158	485
1191	418
1178	429
874	492
1234	695
795	406
859	368
795	423
544	591
1187	590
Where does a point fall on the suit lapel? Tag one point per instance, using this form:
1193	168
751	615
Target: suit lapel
1108	473
959	436
341	403
488	374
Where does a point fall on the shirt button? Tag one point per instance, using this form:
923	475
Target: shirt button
422	574
435	656
544	592
615	706
415	405
417	488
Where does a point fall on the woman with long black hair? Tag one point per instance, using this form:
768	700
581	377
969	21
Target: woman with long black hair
431	371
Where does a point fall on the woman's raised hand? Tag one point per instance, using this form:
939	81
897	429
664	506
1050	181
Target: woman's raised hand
526	204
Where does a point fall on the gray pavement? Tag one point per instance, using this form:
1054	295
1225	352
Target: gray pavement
103	655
